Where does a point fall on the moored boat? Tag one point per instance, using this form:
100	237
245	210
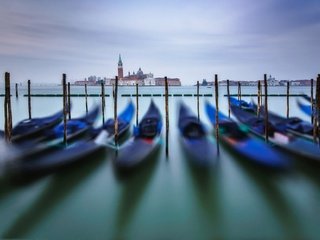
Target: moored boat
201	150
34	127
247	147
146	140
287	141
59	156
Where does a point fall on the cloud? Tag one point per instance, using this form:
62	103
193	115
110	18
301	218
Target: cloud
187	39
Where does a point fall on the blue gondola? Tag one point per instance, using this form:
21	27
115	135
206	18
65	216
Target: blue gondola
146	140
305	108
58	157
34	127
201	150
294	125
241	143
297	146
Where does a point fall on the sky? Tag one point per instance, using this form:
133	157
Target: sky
188	39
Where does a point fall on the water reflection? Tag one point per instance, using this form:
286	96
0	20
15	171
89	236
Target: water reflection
268	182
206	183
59	188
134	183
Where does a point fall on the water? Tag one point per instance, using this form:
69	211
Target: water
167	198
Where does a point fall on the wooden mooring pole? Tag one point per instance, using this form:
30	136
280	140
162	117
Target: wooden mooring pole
64	88
115	112
69	101
312	102
239	92
266	117
316	113
167	114
137	104
103	103
198	108
216	86
288	94
29	98
228	93
259	97
7	108
86	96
17	94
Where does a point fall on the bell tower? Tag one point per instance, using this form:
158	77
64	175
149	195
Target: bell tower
120	68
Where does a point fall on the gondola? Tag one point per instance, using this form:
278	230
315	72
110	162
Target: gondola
146	140
250	107
105	134
201	150
34	127
294	125
305	108
75	128
287	141
60	156
247	147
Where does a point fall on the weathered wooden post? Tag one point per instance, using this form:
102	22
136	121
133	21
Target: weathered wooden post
316	113
102	101
288	95
69	101
7	108
198	101
266	117
137	104
228	93
217	109
115	112
17	94
167	114
312	102
29	98
86	96
239	91
64	88
259	97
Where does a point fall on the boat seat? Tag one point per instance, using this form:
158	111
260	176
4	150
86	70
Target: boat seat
148	127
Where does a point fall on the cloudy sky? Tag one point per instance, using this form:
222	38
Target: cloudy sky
192	40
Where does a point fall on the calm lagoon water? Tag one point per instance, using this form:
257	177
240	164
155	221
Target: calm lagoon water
166	198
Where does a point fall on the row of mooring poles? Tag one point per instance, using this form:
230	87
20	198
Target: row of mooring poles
67	94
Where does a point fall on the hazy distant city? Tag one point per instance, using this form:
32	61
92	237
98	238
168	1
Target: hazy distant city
271	81
131	79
